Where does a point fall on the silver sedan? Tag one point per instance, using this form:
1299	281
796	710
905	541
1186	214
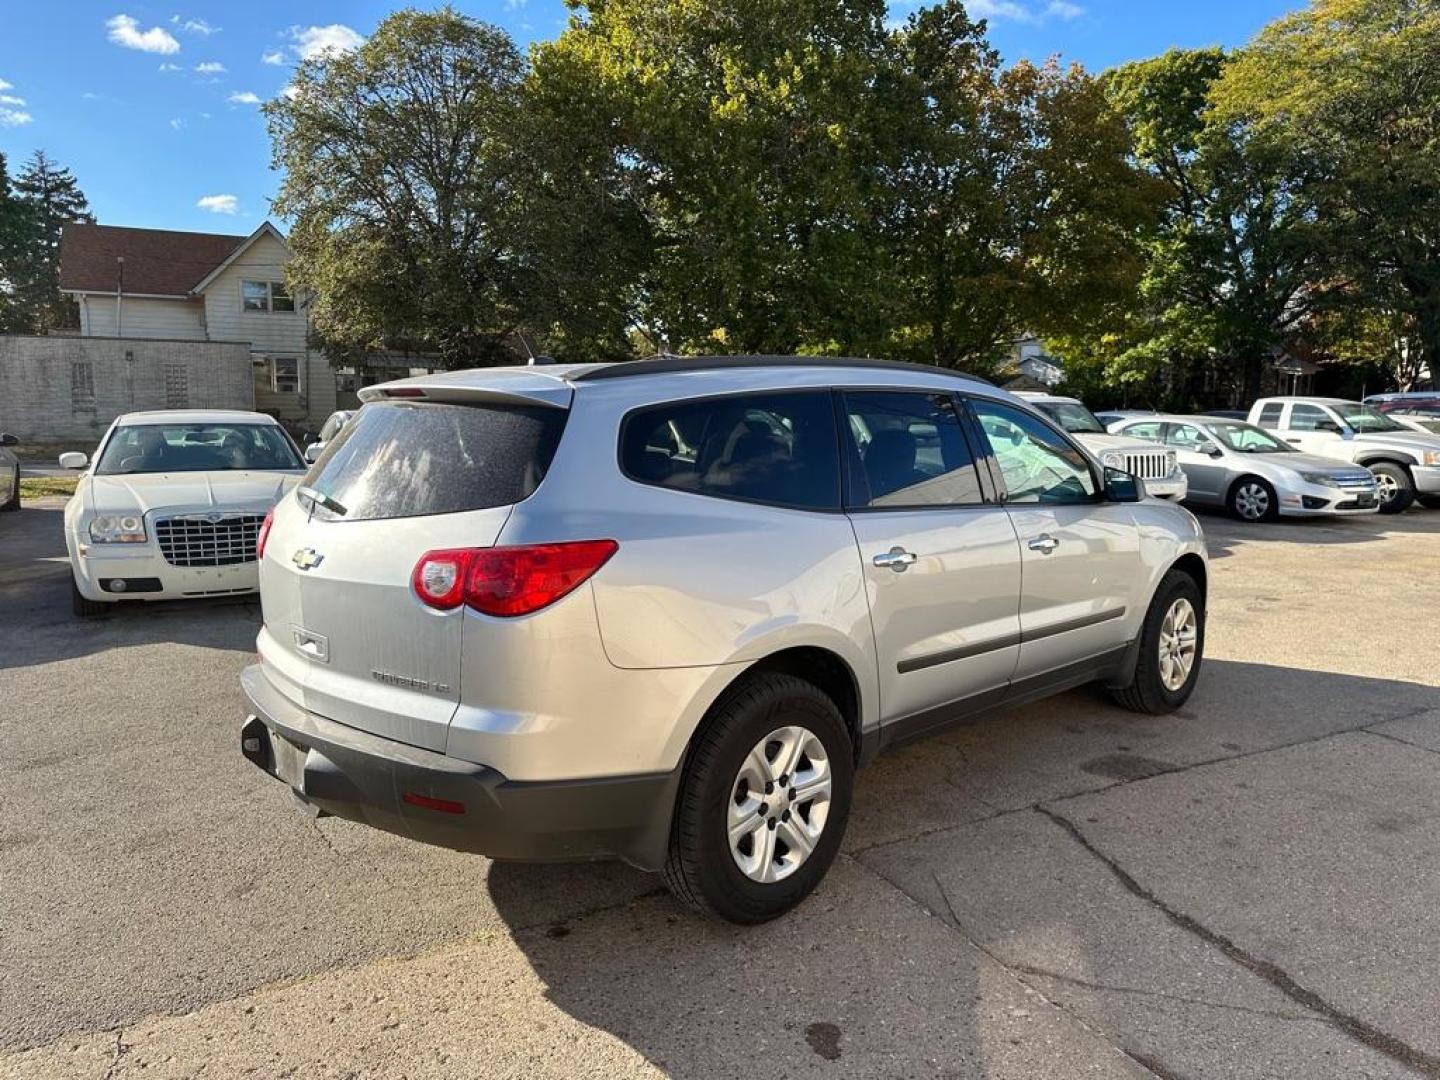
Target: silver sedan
1252	474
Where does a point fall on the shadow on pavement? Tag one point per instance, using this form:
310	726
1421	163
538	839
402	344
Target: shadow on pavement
854	973
1224	533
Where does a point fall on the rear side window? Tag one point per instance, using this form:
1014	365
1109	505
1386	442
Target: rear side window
407	459
779	448
1270	415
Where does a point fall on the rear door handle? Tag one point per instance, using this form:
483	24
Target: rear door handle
897	559
1044	543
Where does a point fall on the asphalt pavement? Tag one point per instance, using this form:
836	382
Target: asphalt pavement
1246	889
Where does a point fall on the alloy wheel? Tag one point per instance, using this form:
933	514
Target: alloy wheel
778	804
1386	487
1252	501
1179	637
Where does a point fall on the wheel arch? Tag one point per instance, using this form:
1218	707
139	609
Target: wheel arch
1385	458
1194	567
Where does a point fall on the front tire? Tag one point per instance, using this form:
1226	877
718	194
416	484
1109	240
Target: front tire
14	501
1172	645
81	605
1253	499
1394	487
764	802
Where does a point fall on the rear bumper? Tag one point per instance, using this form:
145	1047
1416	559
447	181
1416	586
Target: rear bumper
442	800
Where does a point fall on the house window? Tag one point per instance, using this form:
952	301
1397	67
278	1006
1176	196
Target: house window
285	375
255	295
177	386
82	385
265	296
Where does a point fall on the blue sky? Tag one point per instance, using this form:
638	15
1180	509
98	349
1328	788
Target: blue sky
153	105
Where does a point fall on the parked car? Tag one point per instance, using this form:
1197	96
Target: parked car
9	473
1406	463
1158	468
1406	401
663	609
172	505
1254	475
1111	417
1227	414
1428	422
328	430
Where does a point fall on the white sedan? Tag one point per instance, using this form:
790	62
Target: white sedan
172	505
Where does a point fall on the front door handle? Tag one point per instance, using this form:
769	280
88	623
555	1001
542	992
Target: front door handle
1044	543
897	559
1296	442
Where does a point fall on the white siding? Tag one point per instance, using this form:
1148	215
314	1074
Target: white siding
281	333
141	317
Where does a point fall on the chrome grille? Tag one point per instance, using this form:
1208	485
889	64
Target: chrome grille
207	539
1154	465
1356	480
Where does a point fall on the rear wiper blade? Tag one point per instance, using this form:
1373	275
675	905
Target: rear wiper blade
319	498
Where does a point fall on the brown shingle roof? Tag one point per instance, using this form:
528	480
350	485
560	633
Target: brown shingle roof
157	261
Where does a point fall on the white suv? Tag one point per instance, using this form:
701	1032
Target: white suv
662	610
1157	466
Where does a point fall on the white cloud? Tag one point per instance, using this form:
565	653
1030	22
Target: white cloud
244	97
291	92
274	57
195	26
999	9
210	67
14	117
219	204
11	99
1064	9
6	86
177	123
167	66
125	31
312	42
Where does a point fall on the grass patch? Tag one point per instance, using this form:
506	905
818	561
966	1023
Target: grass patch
35	487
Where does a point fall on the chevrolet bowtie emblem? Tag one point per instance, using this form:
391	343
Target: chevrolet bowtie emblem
307	558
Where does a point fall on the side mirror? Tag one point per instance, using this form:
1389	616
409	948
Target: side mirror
1214	451
73	460
6	439
1122	487
313	452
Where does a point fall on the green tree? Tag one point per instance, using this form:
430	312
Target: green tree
737	133
1350	87
14	229
50	198
1232	271
1008	201
401	176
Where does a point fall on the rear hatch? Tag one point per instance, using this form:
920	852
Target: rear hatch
344	634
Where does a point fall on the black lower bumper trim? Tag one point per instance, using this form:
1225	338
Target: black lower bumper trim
451	803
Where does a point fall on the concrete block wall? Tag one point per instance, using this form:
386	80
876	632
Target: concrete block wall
71	388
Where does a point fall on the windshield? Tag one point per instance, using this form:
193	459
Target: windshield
1072	416
163	448
1248	439
1363	418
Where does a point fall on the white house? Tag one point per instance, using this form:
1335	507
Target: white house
161	285
1031	358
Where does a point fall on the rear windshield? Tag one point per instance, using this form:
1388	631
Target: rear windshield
407	459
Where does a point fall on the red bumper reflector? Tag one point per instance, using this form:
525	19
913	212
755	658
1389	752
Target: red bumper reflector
445	806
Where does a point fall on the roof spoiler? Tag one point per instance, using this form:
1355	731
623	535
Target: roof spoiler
507	387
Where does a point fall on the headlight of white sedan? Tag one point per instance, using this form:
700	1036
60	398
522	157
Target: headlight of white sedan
1323	479
117	529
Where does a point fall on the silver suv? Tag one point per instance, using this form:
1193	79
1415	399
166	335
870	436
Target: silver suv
662	610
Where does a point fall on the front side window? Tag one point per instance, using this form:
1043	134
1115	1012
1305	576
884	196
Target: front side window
777	448
1188	437
1270	416
162	448
1311	418
1036	464
911	451
1248	439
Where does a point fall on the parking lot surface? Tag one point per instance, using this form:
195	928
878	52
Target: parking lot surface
1245	889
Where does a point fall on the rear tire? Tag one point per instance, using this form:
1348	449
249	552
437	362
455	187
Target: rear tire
1396	489
716	801
1253	499
1154	687
1430	502
82	605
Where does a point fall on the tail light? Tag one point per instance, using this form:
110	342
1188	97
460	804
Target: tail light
263	534
507	581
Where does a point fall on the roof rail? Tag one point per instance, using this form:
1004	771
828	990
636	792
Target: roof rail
664	364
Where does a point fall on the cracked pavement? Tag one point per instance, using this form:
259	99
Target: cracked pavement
1242	890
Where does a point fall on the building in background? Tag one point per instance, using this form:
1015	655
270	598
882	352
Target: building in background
154	285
